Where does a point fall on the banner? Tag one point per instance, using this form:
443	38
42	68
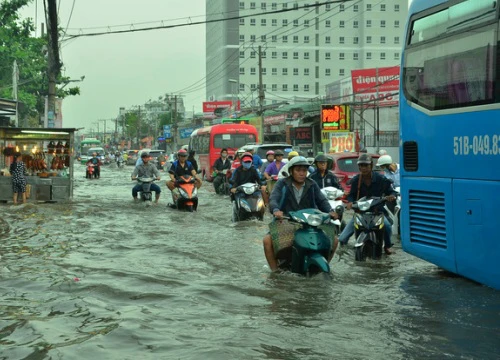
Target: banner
340	142
210	106
381	83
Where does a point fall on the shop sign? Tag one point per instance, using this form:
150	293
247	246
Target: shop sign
209	107
274	120
301	135
340	142
335	118
377	83
167	132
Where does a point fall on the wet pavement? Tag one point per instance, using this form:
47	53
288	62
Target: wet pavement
104	278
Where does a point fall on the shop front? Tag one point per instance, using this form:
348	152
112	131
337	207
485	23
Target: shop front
48	156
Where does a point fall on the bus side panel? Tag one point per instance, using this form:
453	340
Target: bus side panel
203	165
426	220
477	254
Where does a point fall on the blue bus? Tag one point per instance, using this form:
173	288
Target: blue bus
450	137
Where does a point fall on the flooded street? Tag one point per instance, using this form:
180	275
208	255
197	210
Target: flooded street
104	278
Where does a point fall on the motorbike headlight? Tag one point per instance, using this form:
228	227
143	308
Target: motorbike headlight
314	220
364	205
380	221
195	192
245	205
249	190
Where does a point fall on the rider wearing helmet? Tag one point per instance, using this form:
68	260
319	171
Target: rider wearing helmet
96	163
368	183
221	164
296	192
391	169
237	159
322	175
247	173
181	167
269	160
146	170
274	167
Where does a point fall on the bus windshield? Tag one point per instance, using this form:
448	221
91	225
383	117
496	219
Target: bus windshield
232	141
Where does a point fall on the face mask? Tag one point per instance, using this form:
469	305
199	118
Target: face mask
247	165
223	156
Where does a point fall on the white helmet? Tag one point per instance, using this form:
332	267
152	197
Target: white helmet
384	160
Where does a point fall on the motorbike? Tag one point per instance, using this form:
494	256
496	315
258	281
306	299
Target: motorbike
393	213
248	203
188	194
224	184
120	163
145	192
270	183
91	171
369	227
311	246
334	197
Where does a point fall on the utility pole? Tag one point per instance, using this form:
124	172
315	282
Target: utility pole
175	123
261	95
138	126
54	63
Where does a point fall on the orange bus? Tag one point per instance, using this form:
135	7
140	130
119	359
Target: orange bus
208	142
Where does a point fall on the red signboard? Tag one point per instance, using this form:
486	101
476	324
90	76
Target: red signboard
301	135
367	83
210	106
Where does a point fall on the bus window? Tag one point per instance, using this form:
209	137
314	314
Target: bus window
232	141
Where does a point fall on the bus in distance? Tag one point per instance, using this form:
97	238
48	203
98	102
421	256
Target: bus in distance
450	136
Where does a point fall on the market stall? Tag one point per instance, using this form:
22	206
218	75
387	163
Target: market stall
48	156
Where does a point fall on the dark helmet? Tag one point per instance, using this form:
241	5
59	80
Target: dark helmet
192	152
297	161
321	157
279	152
144	154
364	159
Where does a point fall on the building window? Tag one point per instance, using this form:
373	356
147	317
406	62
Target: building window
306	88
355	56
355	24
242	54
382	23
396	7
295	22
242	71
355	40
341	8
274	38
295	39
284	22
368	7
295	6
396	39
274	87
252	71
328	7
382	56
296	55
306	7
263	22
341	23
242	38
396	23
264	71
341	72
284	55
284	87
252	5
274	55
263	6
274	71
306	56
341	40
274	6
242	21
382	7
242	5
368	39
328	23
253	87
285	39
328	56
341	56
306	72
295	87
252	54
264	54
252	22
295	71
368	56
285	6
382	39
327	40
327	72
306	23
284	71
355	8
396	56
368	23
306	39
263	38
252	38
274	22
242	87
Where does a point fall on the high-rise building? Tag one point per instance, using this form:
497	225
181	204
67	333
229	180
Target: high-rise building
302	47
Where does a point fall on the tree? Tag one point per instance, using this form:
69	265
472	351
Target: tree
16	43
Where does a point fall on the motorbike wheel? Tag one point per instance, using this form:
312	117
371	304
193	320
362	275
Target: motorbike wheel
360	254
189	208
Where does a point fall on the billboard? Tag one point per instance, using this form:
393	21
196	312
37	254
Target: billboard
335	118
210	106
381	83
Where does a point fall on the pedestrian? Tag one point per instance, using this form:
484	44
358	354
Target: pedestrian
17	170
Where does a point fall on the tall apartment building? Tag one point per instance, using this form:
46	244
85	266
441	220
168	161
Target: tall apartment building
302	50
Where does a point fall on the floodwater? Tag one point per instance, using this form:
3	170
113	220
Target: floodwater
104	278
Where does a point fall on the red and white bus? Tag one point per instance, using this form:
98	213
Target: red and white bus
208	142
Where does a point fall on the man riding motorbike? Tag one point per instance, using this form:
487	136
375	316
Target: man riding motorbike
146	170
221	164
181	167
293	193
322	175
369	183
247	173
96	163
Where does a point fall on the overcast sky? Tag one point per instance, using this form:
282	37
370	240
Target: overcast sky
124	70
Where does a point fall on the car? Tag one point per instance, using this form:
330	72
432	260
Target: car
155	154
132	157
345	167
262	149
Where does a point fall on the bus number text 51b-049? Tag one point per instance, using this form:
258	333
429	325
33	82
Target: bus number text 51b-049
477	145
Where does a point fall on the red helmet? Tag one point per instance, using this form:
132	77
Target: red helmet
182	152
270	152
247	155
